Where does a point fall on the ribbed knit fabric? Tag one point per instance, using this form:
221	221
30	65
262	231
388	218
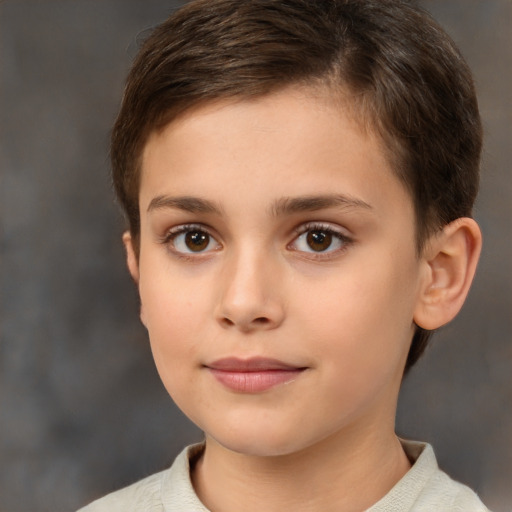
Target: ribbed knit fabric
425	488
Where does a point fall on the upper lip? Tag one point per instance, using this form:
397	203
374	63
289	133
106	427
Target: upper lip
253	364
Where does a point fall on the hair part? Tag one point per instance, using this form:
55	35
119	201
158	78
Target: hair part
406	81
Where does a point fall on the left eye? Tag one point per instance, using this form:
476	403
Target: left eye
192	240
319	240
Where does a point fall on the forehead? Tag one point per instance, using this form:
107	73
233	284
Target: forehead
298	102
293	142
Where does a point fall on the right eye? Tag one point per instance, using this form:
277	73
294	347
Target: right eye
191	240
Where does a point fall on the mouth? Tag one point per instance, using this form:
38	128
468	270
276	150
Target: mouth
253	375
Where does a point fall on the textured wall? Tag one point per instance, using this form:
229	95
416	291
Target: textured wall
81	408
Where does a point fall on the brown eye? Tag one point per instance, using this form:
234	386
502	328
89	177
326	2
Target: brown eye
318	240
197	241
189	240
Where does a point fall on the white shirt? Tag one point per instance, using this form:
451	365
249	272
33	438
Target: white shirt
424	488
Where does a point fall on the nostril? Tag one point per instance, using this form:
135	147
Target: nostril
259	321
227	322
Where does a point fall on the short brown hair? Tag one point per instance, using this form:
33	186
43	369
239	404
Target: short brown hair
404	74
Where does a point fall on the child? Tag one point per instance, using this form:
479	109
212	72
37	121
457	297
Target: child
298	177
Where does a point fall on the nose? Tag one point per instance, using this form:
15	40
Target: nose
251	297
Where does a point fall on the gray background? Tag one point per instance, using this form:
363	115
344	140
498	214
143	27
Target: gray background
81	408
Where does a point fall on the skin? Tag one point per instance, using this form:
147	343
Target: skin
258	287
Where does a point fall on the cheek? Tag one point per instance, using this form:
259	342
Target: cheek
172	315
170	299
361	350
363	321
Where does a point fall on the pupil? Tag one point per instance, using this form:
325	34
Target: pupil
319	240
197	240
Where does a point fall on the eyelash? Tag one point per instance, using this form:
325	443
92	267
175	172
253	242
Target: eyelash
171	235
341	237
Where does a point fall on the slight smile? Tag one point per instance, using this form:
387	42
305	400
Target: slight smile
253	375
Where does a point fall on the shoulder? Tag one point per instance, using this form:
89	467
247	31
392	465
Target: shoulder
170	490
142	495
425	487
443	493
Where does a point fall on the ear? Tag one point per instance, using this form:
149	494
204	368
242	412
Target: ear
132	262
131	257
450	258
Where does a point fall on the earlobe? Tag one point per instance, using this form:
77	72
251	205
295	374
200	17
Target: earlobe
451	257
131	256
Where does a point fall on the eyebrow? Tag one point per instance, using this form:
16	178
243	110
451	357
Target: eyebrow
185	203
283	206
289	205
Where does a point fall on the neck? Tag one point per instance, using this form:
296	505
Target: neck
349	472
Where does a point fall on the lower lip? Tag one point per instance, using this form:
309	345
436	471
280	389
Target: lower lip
257	381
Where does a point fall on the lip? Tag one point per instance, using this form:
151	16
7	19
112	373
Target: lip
253	375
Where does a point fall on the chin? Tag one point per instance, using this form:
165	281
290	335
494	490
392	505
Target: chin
261	441
257	447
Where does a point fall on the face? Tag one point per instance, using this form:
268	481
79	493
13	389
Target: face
277	272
